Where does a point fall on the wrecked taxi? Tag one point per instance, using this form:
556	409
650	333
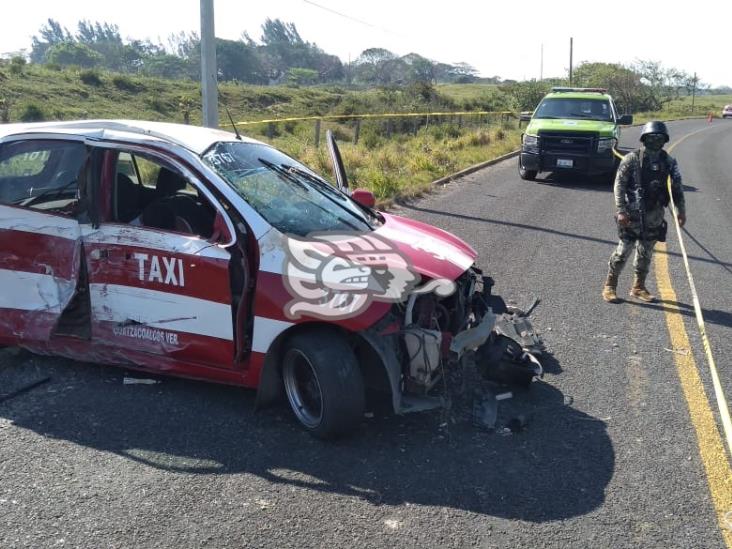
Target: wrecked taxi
200	253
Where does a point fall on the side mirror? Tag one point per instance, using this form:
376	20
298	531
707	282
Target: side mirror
221	234
525	116
364	197
626	120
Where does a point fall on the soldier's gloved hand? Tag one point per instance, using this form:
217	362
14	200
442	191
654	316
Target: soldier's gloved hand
682	219
623	219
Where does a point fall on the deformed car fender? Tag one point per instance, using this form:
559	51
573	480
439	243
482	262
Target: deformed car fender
379	346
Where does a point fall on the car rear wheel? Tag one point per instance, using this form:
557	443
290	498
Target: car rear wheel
323	383
526	175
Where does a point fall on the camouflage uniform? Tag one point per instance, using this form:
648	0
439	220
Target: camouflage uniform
653	172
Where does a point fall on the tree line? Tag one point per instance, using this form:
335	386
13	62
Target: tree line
280	56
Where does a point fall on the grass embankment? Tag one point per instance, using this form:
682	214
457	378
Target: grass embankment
394	158
681	108
406	165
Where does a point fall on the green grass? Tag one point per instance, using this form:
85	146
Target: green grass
681	108
394	159
405	166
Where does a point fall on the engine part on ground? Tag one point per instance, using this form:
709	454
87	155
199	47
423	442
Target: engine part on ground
519	328
504	361
474	337
423	348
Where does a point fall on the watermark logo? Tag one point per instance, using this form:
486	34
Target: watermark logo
337	276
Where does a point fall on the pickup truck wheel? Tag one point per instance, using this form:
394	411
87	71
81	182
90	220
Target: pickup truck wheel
526	175
323	383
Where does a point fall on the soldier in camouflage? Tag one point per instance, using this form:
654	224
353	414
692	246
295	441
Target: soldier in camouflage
641	194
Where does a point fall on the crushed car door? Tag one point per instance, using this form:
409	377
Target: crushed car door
40	237
158	280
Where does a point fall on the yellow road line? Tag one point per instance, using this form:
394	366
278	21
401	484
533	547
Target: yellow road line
711	448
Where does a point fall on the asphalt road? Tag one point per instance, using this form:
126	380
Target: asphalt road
609	457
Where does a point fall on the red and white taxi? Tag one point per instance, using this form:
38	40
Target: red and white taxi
196	252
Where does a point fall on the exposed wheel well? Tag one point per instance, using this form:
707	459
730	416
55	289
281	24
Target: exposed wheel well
370	362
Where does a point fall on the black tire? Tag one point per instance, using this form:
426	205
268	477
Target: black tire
526	175
323	383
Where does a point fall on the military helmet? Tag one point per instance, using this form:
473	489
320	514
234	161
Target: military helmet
654	126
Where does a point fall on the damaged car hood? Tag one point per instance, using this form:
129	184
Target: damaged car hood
433	253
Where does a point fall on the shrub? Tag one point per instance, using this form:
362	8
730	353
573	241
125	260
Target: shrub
421	162
370	137
479	138
125	83
157	104
90	77
382	184
32	113
17	64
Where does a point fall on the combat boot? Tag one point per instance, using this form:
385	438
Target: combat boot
609	291
639	290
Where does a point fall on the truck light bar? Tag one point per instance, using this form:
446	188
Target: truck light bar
592	90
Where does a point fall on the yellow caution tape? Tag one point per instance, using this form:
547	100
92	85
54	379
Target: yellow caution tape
718	391
374	115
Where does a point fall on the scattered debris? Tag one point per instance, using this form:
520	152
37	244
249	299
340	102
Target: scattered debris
369	415
683	352
139	381
485	411
24	389
504	396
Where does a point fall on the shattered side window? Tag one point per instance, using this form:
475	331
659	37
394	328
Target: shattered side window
40	174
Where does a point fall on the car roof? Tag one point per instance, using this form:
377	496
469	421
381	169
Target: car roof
194	138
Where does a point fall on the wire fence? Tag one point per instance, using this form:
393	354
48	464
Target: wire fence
355	127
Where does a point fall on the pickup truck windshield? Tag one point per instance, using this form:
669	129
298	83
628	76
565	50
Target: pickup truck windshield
584	109
292	198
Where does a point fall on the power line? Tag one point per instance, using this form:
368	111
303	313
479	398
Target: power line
351	18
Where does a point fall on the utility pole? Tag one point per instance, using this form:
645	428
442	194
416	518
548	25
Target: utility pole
570	62
209	89
541	66
693	93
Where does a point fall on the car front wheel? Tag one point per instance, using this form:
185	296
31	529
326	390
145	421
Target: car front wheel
323	383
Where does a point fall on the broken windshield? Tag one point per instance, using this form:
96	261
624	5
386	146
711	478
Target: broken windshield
292	198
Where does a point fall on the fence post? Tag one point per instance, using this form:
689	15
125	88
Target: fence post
317	133
388	128
357	131
270	130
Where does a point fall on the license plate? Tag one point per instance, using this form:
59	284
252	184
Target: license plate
564	163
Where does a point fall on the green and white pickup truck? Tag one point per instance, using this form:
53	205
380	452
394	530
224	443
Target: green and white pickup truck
572	129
